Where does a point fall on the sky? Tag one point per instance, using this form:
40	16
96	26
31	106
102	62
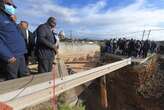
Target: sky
97	19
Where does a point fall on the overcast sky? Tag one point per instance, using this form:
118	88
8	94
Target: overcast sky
98	19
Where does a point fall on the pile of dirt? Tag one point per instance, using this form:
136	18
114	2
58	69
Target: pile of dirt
138	87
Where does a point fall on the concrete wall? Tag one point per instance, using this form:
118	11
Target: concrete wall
78	51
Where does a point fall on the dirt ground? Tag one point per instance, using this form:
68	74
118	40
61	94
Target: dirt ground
137	87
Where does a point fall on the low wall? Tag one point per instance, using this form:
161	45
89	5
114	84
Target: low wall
72	52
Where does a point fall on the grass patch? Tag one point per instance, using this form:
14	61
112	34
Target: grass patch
77	107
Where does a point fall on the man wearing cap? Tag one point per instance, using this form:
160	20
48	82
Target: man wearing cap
46	47
12	45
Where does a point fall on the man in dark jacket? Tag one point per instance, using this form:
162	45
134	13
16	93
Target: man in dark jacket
28	37
12	45
46	47
131	48
146	47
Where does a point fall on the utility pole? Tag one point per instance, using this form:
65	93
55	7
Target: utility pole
71	34
143	35
148	34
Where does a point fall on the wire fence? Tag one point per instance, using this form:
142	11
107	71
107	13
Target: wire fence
150	34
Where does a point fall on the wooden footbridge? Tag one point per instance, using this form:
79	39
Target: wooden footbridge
29	91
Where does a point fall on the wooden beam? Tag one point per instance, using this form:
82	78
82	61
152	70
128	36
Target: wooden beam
146	59
39	93
103	93
75	80
12	85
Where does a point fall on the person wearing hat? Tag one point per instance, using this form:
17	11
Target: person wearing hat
46	48
12	44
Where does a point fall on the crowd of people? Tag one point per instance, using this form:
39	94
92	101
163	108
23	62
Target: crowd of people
130	47
18	43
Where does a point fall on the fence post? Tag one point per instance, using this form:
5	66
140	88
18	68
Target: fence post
103	93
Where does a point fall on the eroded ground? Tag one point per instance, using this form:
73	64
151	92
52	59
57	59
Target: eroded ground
136	87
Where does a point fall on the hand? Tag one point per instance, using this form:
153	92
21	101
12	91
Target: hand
55	49
13	18
12	60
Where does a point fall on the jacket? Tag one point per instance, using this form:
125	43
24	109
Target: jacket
28	41
45	42
11	40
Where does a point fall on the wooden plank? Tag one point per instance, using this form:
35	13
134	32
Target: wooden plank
146	59
83	77
29	90
134	59
42	92
15	84
31	99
